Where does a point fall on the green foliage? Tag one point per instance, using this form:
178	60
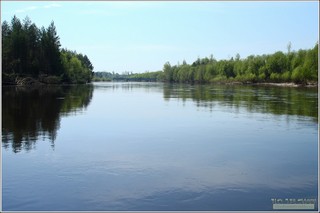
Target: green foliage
275	77
168	72
77	67
286	76
28	51
102	76
147	76
276	63
299	67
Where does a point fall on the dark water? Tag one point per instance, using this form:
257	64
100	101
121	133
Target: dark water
152	146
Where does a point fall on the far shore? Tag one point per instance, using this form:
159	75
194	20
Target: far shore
29	81
288	84
278	84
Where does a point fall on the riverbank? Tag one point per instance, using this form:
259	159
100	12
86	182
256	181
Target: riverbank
55	80
31	81
288	84
28	81
283	84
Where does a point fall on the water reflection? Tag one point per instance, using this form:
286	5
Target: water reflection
130	86
153	146
261	99
30	113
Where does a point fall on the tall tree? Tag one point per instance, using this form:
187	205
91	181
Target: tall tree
29	51
50	44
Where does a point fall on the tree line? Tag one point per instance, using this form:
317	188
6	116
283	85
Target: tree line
29	51
293	66
298	67
127	76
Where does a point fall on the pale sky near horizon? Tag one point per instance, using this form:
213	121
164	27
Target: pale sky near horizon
142	36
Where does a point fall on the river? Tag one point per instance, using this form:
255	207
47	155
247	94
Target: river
154	146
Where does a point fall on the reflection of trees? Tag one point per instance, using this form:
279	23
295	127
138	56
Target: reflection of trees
32	112
263	99
77	98
130	86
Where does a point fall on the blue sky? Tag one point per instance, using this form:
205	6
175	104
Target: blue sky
142	36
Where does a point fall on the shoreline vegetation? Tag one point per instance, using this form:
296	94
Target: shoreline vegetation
226	82
293	69
32	56
52	80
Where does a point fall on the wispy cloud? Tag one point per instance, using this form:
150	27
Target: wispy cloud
27	9
52	5
99	12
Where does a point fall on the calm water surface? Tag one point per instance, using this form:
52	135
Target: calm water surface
153	146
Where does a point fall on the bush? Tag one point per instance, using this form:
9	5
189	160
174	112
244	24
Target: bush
297	75
262	77
51	80
248	77
286	76
219	78
275	77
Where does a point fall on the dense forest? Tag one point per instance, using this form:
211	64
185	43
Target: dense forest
293	66
31	55
298	67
